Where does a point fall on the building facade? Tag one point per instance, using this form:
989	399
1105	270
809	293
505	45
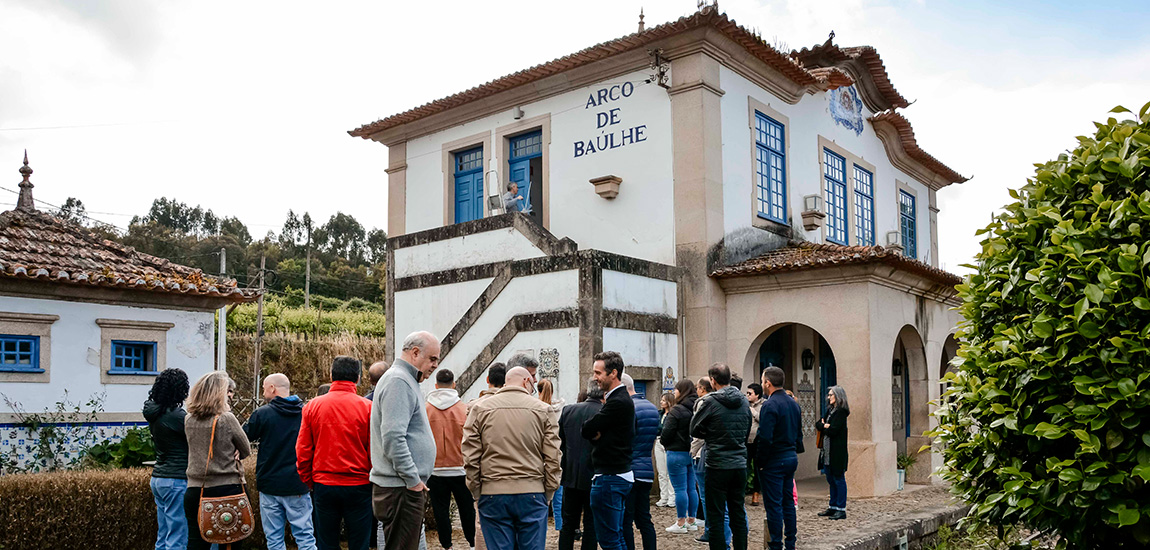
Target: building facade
86	325
684	195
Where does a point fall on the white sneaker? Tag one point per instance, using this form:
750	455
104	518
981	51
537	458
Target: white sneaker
678	529
693	526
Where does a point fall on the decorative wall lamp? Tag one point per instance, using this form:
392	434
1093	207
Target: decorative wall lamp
813	213
607	186
808	359
894	241
896	368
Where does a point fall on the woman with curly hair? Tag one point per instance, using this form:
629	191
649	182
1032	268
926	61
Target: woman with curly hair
165	415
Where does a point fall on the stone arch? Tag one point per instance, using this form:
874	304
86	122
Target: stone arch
949	351
910	399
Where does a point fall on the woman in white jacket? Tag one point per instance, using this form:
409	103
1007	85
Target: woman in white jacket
666	491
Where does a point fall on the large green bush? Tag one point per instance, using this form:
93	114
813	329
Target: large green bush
1047	422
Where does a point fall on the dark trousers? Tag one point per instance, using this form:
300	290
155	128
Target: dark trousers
609	497
778	482
576	503
192	511
514	522
441	489
347	504
638	513
401	512
727	488
838	487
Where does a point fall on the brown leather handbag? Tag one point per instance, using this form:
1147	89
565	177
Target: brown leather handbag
224	520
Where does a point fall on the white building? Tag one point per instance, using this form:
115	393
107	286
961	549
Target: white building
696	196
84	318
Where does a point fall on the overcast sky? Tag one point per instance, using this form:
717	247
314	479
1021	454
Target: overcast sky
243	107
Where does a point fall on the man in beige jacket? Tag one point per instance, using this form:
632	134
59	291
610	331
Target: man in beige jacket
511	456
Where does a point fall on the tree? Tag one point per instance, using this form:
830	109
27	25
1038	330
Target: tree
1047	421
377	246
73	211
344	237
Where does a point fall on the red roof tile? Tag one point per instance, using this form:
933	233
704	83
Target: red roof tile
906	136
707	16
829	54
38	246
803	255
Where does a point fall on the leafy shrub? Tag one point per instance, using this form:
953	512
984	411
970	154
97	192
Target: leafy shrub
131	451
1047	422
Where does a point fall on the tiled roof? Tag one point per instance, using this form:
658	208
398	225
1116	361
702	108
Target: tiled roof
707	16
829	54
798	256
35	245
906	136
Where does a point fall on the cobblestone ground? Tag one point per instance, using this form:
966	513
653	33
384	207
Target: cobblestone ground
814	532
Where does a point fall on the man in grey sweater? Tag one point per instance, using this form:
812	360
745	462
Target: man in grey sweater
402	446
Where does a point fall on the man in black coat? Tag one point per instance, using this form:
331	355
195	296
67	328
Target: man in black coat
724	422
779	441
611	432
577	470
284	498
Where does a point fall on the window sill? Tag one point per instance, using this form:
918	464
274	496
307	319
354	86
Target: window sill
21	371
133	372
768	224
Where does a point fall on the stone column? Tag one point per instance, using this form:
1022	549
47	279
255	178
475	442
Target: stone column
698	192
396	226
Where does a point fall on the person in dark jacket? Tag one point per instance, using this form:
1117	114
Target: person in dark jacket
577	470
610	432
834	430
723	421
165	415
638	506
778	443
284	499
676	438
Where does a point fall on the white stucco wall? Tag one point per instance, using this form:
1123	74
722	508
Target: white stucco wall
435	309
645	349
638	223
481	248
809	119
565	340
75	357
627	292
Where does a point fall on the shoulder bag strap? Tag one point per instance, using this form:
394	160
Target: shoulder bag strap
211	443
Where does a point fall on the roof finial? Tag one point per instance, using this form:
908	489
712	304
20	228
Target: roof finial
25	201
831	37
641	25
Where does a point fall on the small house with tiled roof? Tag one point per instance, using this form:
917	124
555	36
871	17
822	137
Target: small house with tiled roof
686	194
82	317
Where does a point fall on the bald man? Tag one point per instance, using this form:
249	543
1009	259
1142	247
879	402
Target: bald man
284	498
511	459
402	444
374	373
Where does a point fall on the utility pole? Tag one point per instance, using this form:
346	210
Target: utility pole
259	337
222	325
307	273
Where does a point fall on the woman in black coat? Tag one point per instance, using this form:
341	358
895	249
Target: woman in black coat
834	431
676	438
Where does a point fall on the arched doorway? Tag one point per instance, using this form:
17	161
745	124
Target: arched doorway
910	398
949	351
809	364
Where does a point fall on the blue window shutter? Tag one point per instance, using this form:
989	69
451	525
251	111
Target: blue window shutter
864	206
19	353
469	185
908	224
834	174
770	169
523	148
132	357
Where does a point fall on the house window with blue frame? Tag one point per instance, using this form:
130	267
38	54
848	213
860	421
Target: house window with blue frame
19	353
864	206
525	171
908	223
770	169
131	357
834	172
469	185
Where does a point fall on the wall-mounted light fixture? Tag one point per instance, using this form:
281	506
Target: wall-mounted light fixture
517	112
808	359
813	213
896	368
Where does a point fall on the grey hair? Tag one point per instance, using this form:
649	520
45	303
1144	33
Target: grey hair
594	390
415	340
840	399
628	382
522	360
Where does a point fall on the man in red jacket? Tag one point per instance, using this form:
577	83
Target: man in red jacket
332	456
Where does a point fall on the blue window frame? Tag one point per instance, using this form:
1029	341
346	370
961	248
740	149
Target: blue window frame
864	206
908	223
19	353
469	185
834	172
524	148
770	169
129	357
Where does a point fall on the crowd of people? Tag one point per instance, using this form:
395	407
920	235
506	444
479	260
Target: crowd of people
343	465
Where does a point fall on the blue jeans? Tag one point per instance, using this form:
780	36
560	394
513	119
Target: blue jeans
557	508
608	495
170	519
701	475
838	483
278	511
778	481
682	471
514	522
